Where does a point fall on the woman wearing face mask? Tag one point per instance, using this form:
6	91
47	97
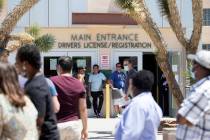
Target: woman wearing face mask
17	113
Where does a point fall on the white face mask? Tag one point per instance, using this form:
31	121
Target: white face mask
23	71
126	68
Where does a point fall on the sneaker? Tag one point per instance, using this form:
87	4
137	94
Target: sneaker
99	115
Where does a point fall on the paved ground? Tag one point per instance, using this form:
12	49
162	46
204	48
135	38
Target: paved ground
103	129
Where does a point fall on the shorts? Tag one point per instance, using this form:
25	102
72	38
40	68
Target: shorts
70	130
117	101
121	102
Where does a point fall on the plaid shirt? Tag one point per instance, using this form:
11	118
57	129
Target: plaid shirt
196	109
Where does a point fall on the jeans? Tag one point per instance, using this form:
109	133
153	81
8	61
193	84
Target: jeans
97	106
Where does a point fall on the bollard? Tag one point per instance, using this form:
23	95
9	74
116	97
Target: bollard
107	101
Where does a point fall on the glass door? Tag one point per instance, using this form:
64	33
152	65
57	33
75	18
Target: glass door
84	59
49	61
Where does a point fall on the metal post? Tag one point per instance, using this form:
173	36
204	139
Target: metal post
107	101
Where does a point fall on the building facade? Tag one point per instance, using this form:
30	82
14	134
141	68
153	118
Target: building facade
98	32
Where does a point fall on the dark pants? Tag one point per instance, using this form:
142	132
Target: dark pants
97	107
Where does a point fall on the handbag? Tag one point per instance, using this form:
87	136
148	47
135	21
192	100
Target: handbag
88	102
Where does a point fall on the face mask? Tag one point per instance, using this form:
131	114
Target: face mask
126	68
23	72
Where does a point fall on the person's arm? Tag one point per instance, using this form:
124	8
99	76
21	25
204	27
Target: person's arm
89	85
56	104
103	80
183	121
83	115
54	94
193	109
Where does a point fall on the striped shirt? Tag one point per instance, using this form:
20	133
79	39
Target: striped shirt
196	109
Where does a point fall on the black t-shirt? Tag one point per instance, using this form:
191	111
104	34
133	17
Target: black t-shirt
38	91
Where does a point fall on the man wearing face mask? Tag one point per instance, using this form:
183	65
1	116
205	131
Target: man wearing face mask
194	115
141	118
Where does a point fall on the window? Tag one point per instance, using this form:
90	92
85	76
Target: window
206	17
206	47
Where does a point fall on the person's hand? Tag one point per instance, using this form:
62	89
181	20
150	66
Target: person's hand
89	94
126	98
84	134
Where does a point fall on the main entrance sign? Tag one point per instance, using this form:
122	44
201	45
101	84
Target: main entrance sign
106	40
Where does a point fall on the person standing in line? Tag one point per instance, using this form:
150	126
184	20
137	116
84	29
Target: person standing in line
71	95
118	88
193	117
17	113
141	118
28	60
96	82
130	71
83	78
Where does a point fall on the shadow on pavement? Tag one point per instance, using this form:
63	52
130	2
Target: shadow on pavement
101	135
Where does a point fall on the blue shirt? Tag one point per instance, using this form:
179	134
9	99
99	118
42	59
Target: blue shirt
118	80
52	88
140	119
96	81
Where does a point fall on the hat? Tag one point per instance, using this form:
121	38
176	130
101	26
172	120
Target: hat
202	57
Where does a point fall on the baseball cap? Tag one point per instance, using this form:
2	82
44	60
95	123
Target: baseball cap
202	57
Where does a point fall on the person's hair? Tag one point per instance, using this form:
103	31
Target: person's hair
96	65
31	54
118	64
65	63
80	68
9	85
143	80
131	61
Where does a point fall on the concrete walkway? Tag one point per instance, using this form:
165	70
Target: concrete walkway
103	129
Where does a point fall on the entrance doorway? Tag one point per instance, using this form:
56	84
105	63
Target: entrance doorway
120	56
160	89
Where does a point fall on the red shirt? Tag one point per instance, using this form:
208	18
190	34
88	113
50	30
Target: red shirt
69	90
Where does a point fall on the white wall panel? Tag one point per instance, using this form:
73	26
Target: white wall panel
59	13
79	6
39	14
